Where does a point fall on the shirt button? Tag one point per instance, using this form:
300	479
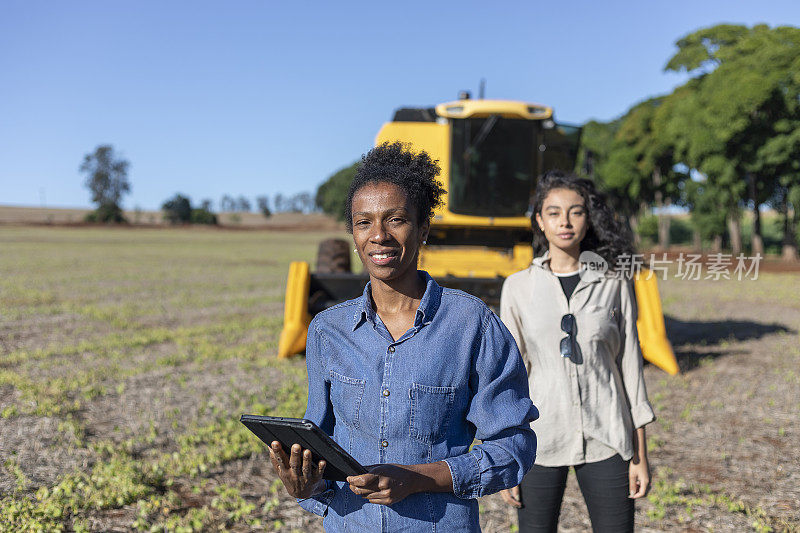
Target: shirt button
384	443
391	349
386	392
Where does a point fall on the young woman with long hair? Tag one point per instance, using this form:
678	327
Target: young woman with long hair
576	329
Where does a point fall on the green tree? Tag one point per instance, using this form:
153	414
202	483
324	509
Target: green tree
791	224
640	165
709	217
203	215
596	144
243	204
332	194
178	209
227	204
787	203
107	179
263	206
739	123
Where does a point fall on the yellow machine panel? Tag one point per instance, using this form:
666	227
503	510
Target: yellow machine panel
653	340
296	317
474	262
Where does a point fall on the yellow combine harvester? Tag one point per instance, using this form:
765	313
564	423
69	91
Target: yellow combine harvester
490	153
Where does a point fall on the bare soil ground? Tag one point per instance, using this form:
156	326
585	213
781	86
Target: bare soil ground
139	348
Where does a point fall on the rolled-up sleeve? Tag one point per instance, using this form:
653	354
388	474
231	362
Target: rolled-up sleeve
630	360
501	411
319	410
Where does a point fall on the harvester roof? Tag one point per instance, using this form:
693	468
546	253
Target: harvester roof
485	108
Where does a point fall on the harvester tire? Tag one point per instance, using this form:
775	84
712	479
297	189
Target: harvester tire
333	255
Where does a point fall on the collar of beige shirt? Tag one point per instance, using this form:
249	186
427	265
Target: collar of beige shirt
587	275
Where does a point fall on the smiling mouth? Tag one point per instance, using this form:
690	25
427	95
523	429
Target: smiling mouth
383	257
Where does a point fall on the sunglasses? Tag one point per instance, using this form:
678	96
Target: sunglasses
568	342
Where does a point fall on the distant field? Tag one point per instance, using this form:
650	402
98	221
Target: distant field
65	216
127	355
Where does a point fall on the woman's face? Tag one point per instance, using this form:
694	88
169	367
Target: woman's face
563	219
385	231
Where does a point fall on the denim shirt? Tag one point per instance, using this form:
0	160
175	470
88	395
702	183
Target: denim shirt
455	376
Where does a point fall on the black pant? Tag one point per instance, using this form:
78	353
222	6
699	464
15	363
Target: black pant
605	489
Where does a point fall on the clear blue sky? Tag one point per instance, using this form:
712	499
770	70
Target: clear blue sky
250	98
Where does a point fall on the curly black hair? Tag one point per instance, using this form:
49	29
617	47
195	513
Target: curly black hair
396	163
606	236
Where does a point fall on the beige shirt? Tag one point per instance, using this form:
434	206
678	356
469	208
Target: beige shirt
589	404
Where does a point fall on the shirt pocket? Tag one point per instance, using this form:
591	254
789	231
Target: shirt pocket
601	325
346	394
430	411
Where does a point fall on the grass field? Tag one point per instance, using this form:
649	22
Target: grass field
127	355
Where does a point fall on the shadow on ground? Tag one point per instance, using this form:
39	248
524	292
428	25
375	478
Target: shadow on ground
682	332
687	336
689	359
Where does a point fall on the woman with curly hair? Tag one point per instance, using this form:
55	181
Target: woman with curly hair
576	329
407	376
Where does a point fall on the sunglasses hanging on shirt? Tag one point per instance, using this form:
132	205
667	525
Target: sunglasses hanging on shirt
568	343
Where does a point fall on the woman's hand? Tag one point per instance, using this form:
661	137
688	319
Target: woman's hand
639	468
511	497
639	478
385	484
390	483
301	477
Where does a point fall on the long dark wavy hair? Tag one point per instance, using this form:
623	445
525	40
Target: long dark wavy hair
606	236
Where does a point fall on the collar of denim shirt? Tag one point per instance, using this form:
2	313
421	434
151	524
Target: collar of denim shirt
425	312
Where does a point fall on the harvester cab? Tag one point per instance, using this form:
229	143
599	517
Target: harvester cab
490	153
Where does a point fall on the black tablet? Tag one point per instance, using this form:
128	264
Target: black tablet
307	434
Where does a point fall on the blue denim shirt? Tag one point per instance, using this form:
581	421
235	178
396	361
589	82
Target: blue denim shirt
456	375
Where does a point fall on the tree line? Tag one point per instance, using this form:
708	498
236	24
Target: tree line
107	180
724	142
